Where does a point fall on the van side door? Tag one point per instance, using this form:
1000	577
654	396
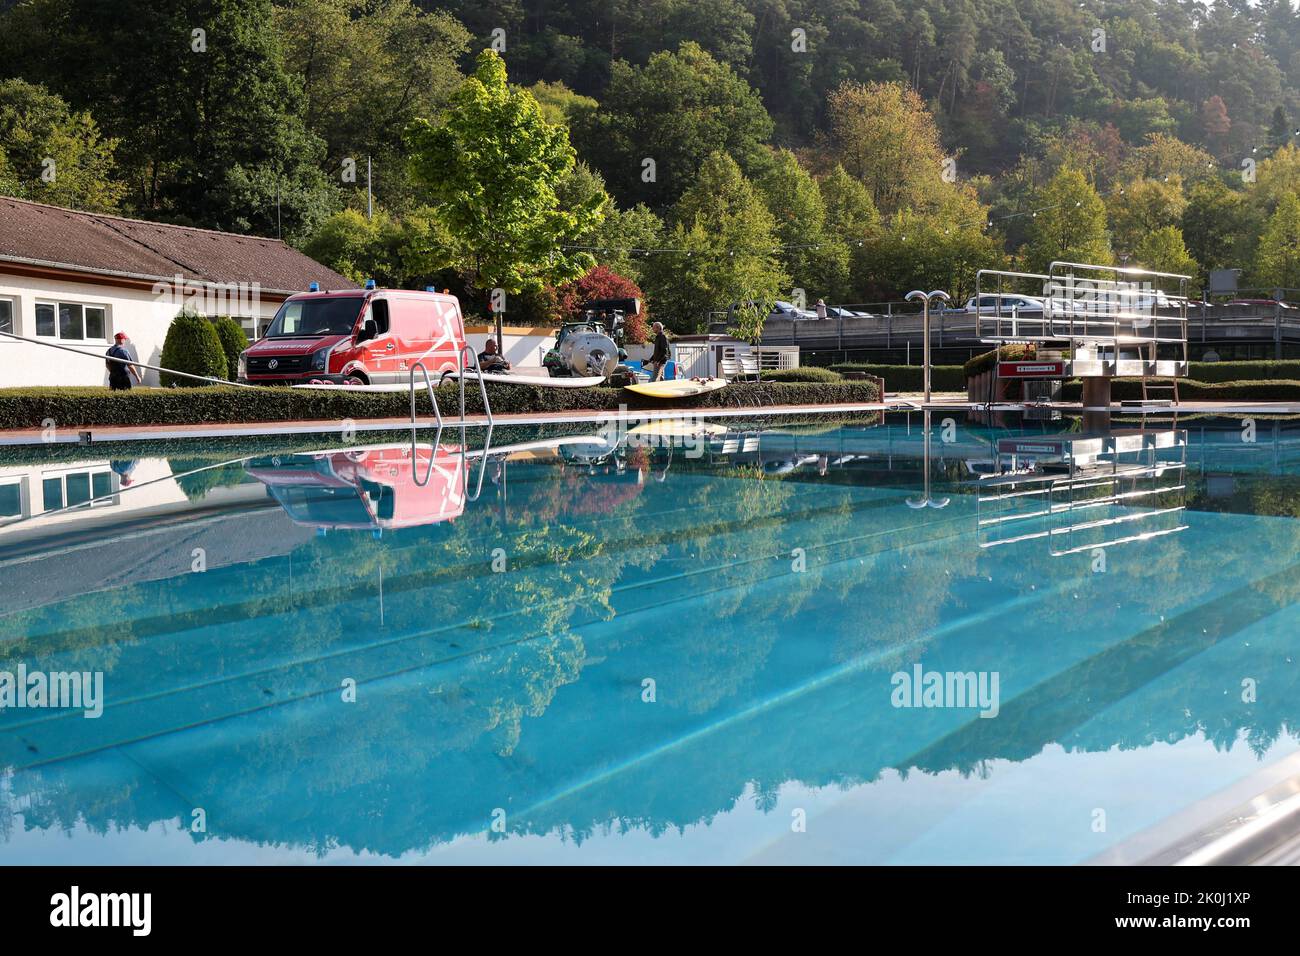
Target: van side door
379	351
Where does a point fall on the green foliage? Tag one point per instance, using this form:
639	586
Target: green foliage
730	234
192	345
492	167
362	248
81	406
676	110
368	69
1163	250
815	257
911	378
805	373
233	342
1277	261
1071	223
37	127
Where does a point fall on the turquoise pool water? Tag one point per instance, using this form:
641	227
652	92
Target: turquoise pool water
642	648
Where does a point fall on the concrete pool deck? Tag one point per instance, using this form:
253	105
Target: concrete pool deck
902	402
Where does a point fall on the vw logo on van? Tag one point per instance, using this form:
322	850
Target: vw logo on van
274	363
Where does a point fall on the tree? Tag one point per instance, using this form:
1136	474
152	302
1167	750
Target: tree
1215	123
492	168
50	154
601	282
1277	261
1069	224
673	112
198	95
361	248
727	237
621	232
1144	206
192	345
369	68
884	137
815	258
852	217
1163	250
1214	225
233	342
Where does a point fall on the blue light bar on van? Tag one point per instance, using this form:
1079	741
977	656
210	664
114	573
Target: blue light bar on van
370	283
428	288
314	287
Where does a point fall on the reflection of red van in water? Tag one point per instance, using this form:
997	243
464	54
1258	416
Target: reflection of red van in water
359	337
366	488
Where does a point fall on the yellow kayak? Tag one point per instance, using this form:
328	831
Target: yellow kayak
678	387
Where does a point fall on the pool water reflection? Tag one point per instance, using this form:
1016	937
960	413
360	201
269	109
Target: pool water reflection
677	644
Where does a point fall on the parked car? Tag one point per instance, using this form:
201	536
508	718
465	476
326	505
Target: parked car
836	312
1267	303
1002	304
357	337
780	310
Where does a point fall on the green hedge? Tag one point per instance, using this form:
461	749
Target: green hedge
78	407
1245	371
805	373
908	378
1129	389
233	342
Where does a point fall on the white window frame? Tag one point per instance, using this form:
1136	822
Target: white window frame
15	313
24	499
57	337
90	472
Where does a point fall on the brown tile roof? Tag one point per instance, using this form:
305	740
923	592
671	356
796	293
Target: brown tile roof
34	232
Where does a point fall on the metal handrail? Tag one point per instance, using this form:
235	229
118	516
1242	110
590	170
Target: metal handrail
482	468
131	362
482	386
437	443
433	398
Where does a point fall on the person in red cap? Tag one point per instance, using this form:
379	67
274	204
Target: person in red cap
119	374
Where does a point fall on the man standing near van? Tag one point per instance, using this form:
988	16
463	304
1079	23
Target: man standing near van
660	357
120	374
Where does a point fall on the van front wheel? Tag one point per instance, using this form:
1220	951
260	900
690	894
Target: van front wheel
355	380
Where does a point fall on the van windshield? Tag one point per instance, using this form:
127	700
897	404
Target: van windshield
315	317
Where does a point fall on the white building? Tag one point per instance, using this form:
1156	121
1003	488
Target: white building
75	279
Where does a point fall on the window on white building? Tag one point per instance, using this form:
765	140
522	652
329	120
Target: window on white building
11	498
71	321
74	488
6	315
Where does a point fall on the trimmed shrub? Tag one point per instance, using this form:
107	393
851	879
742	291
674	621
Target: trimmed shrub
1261	371
806	373
909	378
233	342
1130	389
192	345
82	406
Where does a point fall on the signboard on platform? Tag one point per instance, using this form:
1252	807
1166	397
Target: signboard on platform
1031	369
1016	446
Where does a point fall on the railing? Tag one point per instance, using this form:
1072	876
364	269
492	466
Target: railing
460	375
433	398
129	362
1121	471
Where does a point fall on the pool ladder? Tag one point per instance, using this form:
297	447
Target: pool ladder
437	440
461	366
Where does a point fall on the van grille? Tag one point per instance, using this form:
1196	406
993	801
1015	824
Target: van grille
285	364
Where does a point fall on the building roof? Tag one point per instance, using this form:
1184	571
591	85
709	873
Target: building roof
36	234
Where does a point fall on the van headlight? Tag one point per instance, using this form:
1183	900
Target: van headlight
320	359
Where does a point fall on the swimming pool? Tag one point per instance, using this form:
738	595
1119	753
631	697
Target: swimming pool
650	642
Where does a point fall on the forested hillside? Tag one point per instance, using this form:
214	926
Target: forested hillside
713	149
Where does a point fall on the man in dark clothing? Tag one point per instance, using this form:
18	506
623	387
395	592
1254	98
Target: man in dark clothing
120	375
491	359
660	357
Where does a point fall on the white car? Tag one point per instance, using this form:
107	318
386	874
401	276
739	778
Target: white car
1004	304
